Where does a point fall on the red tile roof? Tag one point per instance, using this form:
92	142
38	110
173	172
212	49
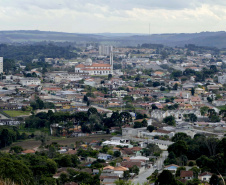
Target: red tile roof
184	173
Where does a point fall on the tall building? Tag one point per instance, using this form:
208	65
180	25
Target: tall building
1	65
222	79
105	50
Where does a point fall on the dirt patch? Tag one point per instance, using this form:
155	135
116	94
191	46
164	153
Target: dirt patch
30	144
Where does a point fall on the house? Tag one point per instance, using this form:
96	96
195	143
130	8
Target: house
129	164
205	176
199	91
195	100
104	156
220	102
172	168
222	79
120	93
30	81
188	175
119	170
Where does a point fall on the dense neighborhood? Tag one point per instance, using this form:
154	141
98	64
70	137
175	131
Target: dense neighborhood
103	115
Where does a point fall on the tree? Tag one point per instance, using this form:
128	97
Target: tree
211	143
214	180
193	182
16	149
181	136
196	171
126	175
137	125
5	138
170	120
134	169
203	110
117	154
156	84
16	171
175	86
179	170
192	91
109	76
154	176
151	150
150	128
153	106
191	117
63	178
166	178
179	148
209	99
125	117
122	182
85	98
91	111
43	137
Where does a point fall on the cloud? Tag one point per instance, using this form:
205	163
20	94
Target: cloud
172	16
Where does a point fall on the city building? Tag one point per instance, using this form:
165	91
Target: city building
95	68
222	79
1	65
105	50
30	81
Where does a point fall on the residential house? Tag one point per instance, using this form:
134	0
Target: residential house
188	175
205	176
119	170
172	168
104	156
30	81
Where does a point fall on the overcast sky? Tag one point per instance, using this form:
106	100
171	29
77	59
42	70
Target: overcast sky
116	16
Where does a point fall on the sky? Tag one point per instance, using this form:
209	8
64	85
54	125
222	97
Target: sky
114	16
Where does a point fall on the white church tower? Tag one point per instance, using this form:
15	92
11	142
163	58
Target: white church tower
1	65
111	62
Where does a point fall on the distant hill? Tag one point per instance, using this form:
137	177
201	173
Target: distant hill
213	39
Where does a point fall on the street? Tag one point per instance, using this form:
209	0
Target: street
142	178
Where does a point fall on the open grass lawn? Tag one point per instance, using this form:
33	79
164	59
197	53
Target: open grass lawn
222	107
31	143
15	113
32	130
124	109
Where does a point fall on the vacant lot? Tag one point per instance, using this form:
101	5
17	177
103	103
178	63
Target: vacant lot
30	144
15	113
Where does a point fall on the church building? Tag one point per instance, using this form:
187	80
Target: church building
95	68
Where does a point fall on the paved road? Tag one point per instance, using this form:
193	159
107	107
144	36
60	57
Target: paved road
142	178
211	105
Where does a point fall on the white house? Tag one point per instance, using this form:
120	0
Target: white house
30	81
120	93
205	176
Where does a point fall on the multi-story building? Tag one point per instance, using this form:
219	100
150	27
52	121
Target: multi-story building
222	79
94	68
30	81
105	50
1	65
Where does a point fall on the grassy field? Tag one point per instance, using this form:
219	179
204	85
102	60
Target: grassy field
15	113
29	144
124	109
222	107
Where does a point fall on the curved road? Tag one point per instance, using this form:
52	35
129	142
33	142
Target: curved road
142	177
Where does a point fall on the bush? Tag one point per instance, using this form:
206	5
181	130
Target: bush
191	163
